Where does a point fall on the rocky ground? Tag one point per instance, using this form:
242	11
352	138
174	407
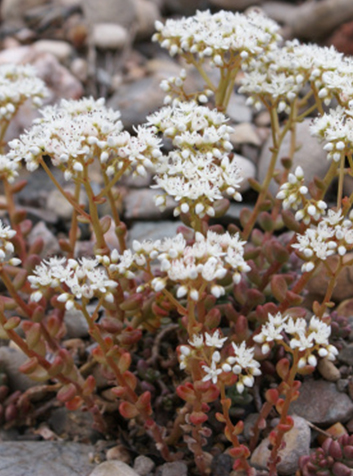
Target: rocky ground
104	49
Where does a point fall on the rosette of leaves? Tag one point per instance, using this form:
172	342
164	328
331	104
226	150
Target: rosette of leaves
334	458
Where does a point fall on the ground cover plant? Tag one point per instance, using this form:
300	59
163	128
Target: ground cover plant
230	299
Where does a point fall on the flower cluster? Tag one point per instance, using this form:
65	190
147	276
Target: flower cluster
218	36
75	132
17	84
335	128
206	348
73	279
7	248
199	170
334	234
305	337
174	87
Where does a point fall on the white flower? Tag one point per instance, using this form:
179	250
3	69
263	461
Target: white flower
271	331
212	372
214	340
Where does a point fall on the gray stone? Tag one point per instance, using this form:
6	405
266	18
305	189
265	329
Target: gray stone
177	468
322	404
247	170
185	7
139	205
143	465
109	36
237	110
76	324
58	205
12	11
152	230
113	468
147	14
346	355
51	246
297	444
245	133
309	155
120	12
10	361
60	49
138	99
43	458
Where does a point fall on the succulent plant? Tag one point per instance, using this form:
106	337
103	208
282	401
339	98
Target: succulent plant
340	327
334	458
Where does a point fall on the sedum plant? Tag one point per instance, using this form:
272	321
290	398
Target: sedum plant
232	297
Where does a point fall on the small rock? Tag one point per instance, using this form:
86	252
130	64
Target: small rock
113	468
343	289
58	205
307	146
244	133
79	68
76	324
60	49
328	370
120	12
247	169
147	14
237	110
73	425
342	384
39	458
12	11
322	404
177	468
51	246
139	205
152	230
221	465
346	354
109	36
297	444
263	119
119	453
143	465
10	361
138	99
185	7
249	423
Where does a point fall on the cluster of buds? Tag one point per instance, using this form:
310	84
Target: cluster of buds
335	457
174	87
334	234
199	170
7	248
308	338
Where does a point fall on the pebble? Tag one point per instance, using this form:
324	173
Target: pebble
109	36
177	468
139	205
51	246
147	14
41	458
60	49
343	289
113	468
121	12
221	465
152	230
297	444
58	205
73	425
138	99
120	453
10	361
244	133
12	11
307	146
346	354
79	68
237	110
247	170
76	324
328	370
322	404
143	465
